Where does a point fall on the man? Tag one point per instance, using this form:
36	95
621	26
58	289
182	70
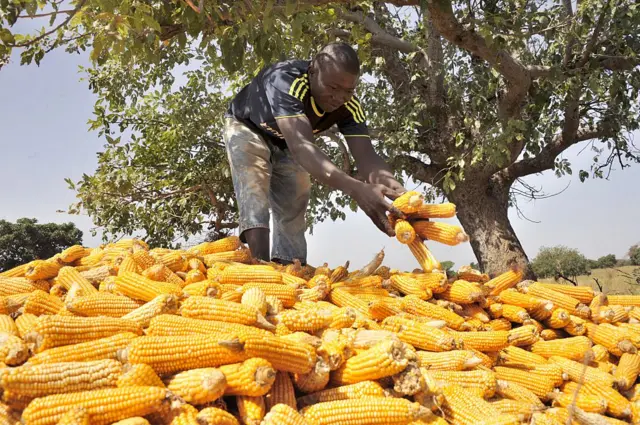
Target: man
269	136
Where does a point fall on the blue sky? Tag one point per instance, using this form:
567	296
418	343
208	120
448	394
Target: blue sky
44	139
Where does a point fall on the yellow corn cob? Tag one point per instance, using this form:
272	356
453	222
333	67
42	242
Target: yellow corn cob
384	359
241	255
136	420
213	309
483	341
240	275
419	334
8	326
69	276
450	360
196	264
128	264
523	336
435	281
55	331
204	288
339	273
404	231
476	312
230	243
171	354
174	261
102	304
414	305
463	292
77	415
409	202
530	379
611	337
198	386
551	334
498	325
366	411
572	305
143	259
283	414
194	276
617	405
506	280
372	281
576	326
311	382
58	291
139	375
162	304
293	281
40	302
382	308
410	286
56	378
254	377
611	314
559	319
482	381
256	298
579	372
529	302
281	392
284	355
368	389
584	294
91	260
13	350
24	323
104	348
444	210
517	357
625	300
574	348
285	293
104	406
41	269
514	313
586	402
168	325
448	234
98	275
522	409
343	298
515	391
17	271
251	409
306	320
15	285
462	407
627	371
423	255
43	285
162	273
140	288
215	416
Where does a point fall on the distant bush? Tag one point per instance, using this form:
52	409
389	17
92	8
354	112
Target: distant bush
607	261
560	261
634	255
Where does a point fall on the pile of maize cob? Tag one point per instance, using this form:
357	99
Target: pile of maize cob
125	334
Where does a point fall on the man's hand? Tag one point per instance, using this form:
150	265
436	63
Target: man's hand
371	199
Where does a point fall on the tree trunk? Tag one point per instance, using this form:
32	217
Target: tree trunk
482	210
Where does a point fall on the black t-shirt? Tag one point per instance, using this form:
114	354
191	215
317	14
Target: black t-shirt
282	90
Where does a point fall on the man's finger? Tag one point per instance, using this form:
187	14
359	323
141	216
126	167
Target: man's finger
389	230
396	212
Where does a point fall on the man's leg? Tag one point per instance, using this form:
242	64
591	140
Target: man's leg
290	189
250	161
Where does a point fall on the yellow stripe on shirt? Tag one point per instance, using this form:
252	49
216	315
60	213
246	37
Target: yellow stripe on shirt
358	115
359	109
353	112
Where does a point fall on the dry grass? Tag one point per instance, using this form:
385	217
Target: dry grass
617	280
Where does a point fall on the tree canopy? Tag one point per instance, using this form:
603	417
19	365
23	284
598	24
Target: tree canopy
634	255
468	97
560	262
27	240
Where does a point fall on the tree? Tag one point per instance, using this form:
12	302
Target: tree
560	262
634	255
26	240
469	98
606	261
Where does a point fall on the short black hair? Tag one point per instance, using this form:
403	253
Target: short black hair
342	54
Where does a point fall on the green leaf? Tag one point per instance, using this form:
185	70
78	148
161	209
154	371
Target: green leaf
148	19
6	36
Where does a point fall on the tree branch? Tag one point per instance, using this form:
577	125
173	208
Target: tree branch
591	44
379	36
596	63
571	39
426	173
42	15
545	160
48	33
435	64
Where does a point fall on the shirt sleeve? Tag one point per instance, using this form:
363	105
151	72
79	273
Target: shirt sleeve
355	123
285	93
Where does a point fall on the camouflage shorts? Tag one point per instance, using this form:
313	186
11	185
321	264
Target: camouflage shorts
265	176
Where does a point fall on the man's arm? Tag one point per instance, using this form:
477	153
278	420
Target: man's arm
374	169
298	135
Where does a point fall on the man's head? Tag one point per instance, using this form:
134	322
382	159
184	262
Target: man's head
333	75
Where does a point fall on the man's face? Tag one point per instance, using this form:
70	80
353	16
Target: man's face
331	86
